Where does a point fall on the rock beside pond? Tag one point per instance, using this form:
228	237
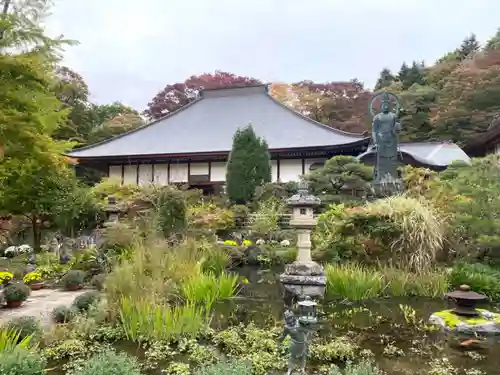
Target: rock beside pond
487	323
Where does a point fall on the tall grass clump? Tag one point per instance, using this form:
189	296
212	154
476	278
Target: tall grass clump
421	229
357	282
354	282
143	320
206	289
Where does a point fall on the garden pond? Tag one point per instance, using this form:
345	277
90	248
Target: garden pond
393	332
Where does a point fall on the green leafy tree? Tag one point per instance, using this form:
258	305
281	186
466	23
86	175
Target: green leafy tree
248	166
36	180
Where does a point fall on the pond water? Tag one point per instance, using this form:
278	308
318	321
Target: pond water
401	344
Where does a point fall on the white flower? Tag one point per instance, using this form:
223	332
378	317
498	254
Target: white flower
260	241
10	249
285	243
24	249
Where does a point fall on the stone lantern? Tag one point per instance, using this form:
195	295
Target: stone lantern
304	277
307	311
112	210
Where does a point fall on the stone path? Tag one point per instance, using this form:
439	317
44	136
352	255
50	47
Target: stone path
40	304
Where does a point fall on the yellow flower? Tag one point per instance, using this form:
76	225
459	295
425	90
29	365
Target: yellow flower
32	277
6	276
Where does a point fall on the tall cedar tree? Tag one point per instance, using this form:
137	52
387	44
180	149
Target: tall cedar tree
248	166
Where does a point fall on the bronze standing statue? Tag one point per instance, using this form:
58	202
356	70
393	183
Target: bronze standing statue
299	332
385	142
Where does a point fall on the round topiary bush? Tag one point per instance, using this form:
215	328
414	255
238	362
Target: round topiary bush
84	301
63	314
25	325
73	280
110	363
16	294
21	362
98	281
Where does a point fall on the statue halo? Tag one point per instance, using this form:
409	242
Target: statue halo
391	95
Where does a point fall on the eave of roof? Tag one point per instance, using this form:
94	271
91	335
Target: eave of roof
436	154
217	108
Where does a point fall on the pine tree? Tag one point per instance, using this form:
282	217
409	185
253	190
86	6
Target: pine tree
248	166
385	79
414	75
469	46
403	72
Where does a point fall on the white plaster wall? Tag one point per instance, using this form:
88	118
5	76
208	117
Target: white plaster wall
130	174
198	169
218	171
161	174
145	174
179	172
290	169
274	171
115	172
309	162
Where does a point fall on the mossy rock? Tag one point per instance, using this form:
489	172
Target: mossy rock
450	321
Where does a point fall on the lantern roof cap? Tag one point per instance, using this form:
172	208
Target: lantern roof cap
464	292
303	197
307	302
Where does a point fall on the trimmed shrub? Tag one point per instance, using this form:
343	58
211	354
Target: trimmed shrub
83	302
73	279
16	292
63	314
480	277
98	281
110	363
21	362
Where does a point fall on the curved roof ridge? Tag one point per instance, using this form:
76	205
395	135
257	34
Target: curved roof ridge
314	122
147	125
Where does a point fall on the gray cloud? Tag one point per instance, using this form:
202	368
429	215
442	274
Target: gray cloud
129	50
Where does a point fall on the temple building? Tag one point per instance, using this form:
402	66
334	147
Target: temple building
192	144
487	142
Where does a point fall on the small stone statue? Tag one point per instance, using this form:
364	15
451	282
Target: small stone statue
385	128
31	266
299	333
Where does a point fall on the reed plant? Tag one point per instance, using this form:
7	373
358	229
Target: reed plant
358	282
353	281
142	320
11	339
207	288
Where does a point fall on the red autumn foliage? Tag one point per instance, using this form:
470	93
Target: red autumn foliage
175	96
342	105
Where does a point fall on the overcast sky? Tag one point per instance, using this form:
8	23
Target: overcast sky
130	49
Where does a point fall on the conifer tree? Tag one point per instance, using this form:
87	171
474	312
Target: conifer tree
248	166
385	79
